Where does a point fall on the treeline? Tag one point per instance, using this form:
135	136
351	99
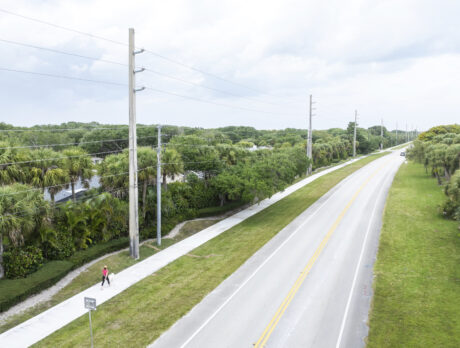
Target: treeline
217	168
438	149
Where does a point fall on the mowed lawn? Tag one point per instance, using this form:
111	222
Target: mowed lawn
417	285
140	314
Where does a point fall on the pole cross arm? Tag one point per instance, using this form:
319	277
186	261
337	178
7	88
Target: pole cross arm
139	52
139	89
139	70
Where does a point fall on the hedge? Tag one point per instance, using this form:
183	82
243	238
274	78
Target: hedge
13	291
213	211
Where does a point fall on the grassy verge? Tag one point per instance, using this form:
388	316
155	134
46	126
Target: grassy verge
13	291
400	146
90	276
213	211
417	285
161	299
192	227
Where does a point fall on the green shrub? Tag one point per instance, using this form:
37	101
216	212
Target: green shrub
13	291
20	262
59	247
83	256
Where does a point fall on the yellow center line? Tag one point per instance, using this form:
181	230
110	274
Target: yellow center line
284	305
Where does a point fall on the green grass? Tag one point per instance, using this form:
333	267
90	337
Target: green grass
13	291
400	147
89	277
417	285
192	227
213	211
140	314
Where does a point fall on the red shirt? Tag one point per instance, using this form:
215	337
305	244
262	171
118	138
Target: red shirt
104	272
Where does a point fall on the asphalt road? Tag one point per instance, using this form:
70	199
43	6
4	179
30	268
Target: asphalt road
310	286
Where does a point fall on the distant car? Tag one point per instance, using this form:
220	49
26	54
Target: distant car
402	154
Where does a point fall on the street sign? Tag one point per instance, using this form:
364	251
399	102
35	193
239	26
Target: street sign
90	303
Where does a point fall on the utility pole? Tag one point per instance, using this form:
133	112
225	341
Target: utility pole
159	187
381	134
397	134
354	134
133	191
310	138
407	134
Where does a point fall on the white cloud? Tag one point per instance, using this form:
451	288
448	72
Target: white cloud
399	60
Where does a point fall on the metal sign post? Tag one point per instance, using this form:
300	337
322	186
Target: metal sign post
90	304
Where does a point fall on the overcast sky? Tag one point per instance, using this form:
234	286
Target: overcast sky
396	60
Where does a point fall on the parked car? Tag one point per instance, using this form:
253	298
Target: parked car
402	154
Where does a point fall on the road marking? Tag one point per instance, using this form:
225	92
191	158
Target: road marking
355	277
266	260
285	304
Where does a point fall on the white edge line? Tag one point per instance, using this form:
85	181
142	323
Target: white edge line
260	266
347	308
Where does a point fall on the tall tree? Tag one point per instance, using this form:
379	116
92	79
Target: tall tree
147	171
22	212
171	164
44	171
79	166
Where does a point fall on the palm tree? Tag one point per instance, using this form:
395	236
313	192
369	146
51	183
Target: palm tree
22	211
113	174
146	161
54	176
79	166
10	172
172	164
45	171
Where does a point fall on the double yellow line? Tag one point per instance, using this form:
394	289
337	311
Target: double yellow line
290	296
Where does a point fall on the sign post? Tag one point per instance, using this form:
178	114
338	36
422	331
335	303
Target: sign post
90	304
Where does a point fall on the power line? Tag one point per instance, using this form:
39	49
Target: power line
65	77
69	144
103	177
58	158
61	52
201	71
117	127
149	88
125	65
63	28
125	44
205	87
215	103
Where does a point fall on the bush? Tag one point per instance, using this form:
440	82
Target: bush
83	256
20	262
59	247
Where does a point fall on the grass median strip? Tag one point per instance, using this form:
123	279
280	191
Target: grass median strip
417	286
140	314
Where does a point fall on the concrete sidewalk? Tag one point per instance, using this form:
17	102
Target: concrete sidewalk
44	324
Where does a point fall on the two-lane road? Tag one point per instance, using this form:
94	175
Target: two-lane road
310	286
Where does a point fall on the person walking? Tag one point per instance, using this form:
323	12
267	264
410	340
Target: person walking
105	276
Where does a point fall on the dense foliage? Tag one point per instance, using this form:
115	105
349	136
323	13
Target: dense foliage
201	169
439	150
